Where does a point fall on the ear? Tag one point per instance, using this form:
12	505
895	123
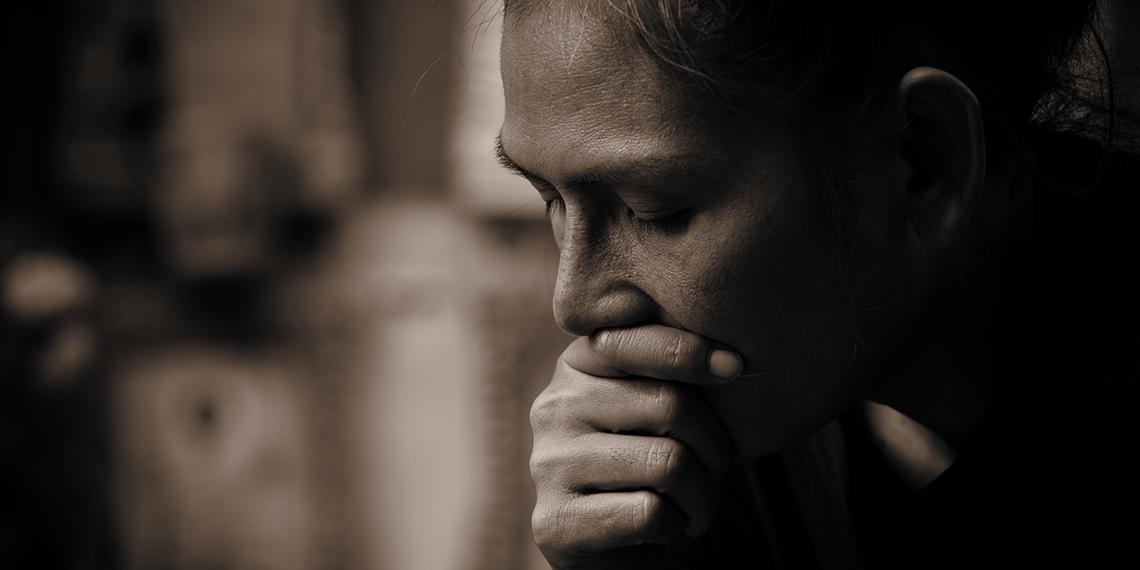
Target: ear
942	144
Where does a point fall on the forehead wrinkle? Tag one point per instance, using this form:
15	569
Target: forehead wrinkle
576	95
589	100
573	25
571	146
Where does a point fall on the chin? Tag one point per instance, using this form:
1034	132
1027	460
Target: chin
767	414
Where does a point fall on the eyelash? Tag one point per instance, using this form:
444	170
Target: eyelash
552	205
671	223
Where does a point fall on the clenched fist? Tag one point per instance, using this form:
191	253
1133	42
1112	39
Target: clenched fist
627	451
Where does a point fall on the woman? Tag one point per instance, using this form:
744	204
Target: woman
830	313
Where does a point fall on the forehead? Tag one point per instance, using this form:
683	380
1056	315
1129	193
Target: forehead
580	91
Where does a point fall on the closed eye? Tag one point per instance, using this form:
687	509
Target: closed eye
668	222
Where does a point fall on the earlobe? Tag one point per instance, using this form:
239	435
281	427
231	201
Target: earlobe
942	143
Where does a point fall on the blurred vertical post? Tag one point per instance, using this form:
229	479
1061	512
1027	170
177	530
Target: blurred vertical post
259	130
511	280
227	394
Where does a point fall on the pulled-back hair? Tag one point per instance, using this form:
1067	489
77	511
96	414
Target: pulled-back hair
844	54
834	63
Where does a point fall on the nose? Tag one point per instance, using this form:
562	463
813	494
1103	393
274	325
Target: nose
593	290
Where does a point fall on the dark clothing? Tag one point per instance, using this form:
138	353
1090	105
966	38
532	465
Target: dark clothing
1051	477
1060	488
1053	474
1023	496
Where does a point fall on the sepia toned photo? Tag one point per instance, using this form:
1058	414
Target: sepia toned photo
570	284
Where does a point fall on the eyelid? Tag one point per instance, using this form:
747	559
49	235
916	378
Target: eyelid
656	216
553	199
540	184
552	205
547	193
668	221
545	190
517	170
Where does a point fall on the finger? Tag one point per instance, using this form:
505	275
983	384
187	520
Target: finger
654	351
582	525
606	462
660	408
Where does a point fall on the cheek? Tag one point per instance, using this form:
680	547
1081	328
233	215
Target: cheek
769	286
761	276
798	343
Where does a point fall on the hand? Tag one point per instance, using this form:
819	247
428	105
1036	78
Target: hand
626	450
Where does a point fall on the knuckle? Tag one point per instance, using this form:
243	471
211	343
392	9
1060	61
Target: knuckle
651	513
665	458
563	403
556	465
545	524
678	351
666	399
604	340
676	347
542	463
686	351
608	347
539	412
547	407
553	523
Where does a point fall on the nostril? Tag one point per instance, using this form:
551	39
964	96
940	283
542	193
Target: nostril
584	311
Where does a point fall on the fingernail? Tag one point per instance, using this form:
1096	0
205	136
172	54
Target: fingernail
725	364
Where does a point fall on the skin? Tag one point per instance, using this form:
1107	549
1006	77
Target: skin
718	321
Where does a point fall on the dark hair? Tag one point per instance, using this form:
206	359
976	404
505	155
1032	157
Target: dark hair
839	52
840	60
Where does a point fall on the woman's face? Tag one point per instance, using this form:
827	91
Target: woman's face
666	212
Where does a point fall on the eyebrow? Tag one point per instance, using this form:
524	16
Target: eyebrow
644	168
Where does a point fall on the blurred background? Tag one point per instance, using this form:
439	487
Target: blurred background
268	300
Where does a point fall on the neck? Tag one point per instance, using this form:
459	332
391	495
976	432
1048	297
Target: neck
916	454
923	416
945	379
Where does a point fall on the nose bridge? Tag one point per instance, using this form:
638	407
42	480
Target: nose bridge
593	290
